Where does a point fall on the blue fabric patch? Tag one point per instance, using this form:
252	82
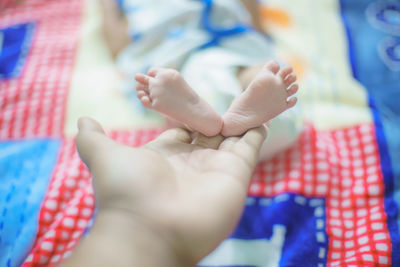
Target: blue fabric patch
303	242
15	42
299	216
25	171
373	29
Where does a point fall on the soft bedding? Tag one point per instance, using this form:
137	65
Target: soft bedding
330	199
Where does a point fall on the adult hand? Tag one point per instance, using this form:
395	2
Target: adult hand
168	203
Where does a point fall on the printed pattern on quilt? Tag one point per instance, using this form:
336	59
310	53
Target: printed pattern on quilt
355	224
33	105
15	42
332	179
343	166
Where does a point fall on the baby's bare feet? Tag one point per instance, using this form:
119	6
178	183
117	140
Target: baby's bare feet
265	98
165	91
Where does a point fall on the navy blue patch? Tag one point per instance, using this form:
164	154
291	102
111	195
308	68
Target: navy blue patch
286	230
15	43
306	241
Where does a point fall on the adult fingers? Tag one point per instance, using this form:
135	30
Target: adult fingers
91	141
175	135
202	141
228	143
248	146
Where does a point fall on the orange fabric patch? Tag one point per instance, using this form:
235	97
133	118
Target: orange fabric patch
274	15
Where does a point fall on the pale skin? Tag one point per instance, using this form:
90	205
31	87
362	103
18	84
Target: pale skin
157	205
268	94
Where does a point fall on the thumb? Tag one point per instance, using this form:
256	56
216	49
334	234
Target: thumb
91	140
249	145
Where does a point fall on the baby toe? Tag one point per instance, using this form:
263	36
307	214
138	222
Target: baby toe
291	102
141	87
291	78
152	72
140	94
293	89
285	72
146	101
141	78
273	66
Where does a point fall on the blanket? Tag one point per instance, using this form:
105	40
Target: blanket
330	199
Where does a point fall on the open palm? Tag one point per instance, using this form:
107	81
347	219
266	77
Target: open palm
188	188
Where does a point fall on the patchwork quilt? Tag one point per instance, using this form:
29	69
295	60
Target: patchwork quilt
331	199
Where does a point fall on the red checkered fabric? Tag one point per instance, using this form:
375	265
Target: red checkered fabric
33	105
343	166
66	210
69	203
7	4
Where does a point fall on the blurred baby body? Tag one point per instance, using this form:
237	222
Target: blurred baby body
181	35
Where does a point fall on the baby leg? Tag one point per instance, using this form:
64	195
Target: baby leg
115	27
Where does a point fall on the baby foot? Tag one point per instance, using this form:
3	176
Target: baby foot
165	91
265	98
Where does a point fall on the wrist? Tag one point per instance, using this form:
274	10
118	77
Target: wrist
122	240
